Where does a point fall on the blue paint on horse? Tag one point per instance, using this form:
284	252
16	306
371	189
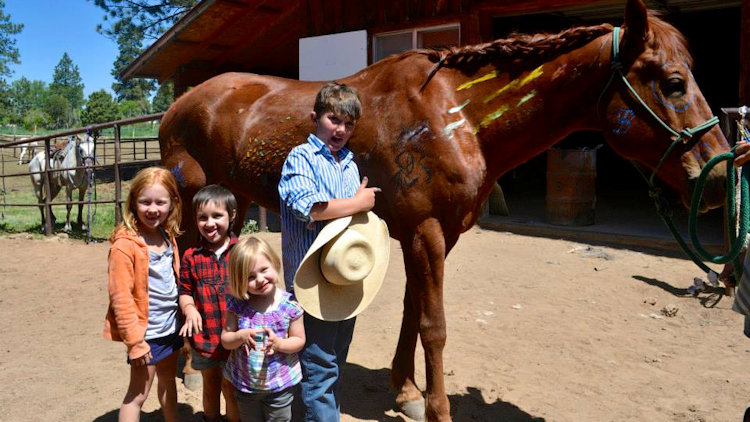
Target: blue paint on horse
667	104
625	118
178	175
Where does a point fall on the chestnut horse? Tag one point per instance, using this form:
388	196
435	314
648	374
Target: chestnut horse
439	128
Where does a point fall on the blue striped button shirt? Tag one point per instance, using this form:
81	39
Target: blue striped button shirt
310	175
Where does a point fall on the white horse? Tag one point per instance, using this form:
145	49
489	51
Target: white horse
27	150
64	162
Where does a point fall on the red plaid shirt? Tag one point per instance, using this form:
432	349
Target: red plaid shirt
205	278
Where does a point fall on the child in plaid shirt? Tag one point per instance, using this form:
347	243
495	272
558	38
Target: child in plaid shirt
202	288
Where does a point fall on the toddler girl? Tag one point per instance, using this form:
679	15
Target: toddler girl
143	267
264	330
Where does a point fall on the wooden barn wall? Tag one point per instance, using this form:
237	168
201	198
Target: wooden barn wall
333	16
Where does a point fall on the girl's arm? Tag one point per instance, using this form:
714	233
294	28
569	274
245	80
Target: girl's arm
292	344
121	285
232	338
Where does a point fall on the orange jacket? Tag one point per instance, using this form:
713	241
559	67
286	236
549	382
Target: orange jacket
127	316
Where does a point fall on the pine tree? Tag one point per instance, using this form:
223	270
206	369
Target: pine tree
100	108
66	82
164	97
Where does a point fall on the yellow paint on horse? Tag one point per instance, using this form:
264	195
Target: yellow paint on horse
488	119
516	83
486	77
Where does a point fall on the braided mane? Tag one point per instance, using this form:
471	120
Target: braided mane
517	47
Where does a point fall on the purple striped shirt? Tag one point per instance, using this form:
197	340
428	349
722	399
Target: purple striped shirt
255	371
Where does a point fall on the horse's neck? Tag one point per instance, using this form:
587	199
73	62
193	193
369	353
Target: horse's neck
517	119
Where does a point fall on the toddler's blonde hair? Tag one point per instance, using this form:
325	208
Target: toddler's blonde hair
242	260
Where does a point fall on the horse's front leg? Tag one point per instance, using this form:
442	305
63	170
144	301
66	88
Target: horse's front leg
424	258
69	206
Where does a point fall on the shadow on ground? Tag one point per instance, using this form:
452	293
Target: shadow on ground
184	413
367	396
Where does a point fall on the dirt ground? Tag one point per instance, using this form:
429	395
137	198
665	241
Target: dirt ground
538	330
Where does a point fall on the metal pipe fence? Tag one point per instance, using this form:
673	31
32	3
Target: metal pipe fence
118	159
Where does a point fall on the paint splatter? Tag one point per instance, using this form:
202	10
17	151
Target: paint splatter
625	119
488	119
178	174
516	83
450	127
666	103
458	108
486	77
526	97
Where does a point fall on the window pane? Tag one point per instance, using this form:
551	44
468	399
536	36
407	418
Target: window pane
386	45
439	38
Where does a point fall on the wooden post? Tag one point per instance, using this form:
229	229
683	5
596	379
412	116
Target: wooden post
47	190
263	217
118	185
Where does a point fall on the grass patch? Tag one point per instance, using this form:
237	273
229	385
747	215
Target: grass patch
28	219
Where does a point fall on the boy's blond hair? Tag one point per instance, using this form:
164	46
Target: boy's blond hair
143	179
242	261
338	98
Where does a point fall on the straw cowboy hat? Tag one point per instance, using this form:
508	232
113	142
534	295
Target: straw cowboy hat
344	268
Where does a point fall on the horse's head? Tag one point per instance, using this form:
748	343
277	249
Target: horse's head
663	122
85	152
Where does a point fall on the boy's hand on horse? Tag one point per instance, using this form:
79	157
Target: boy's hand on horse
193	322
365	195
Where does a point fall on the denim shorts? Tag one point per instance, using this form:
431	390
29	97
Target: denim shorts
201	363
163	347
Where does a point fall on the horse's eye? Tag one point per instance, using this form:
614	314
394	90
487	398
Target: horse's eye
673	87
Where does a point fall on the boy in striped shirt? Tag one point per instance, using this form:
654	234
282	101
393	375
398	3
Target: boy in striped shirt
320	181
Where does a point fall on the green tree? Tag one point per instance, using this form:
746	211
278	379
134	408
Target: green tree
26	95
100	108
66	82
35	118
152	17
164	97
129	41
8	51
58	109
8	55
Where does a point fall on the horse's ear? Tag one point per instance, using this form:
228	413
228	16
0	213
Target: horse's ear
636	22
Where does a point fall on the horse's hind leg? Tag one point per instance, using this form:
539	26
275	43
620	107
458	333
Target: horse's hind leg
68	207
424	257
81	194
409	398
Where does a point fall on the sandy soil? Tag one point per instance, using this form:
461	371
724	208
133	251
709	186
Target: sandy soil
538	330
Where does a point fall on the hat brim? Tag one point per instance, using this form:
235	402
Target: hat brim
333	302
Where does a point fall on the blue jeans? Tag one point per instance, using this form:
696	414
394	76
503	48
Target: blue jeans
322	360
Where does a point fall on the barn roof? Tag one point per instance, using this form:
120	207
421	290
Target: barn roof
223	35
262	36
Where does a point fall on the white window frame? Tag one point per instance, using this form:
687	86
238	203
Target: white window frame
414	35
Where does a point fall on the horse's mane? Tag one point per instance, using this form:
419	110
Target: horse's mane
519	47
516	47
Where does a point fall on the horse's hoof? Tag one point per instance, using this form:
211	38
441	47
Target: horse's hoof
413	410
